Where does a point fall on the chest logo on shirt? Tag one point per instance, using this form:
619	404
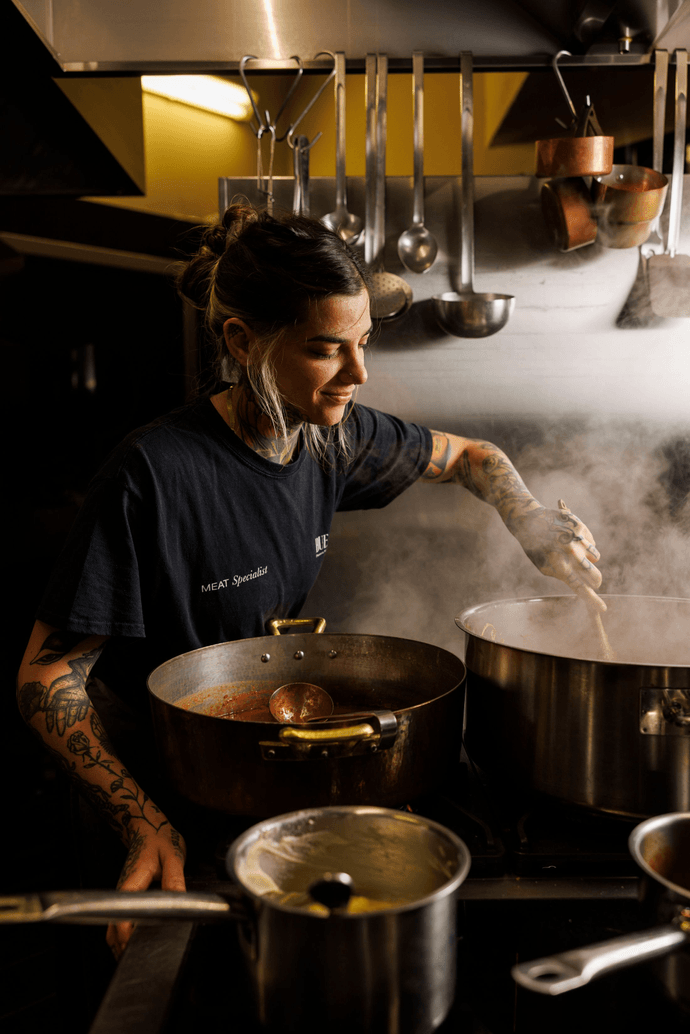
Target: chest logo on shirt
237	579
321	544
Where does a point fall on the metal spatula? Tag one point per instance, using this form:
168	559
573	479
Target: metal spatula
637	310
669	274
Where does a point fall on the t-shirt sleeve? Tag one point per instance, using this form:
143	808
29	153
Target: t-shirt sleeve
389	456
95	586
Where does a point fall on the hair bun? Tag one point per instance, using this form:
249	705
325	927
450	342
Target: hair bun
236	218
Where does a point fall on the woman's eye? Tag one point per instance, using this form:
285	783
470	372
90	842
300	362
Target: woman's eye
325	355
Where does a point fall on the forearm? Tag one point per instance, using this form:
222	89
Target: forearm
53	701
485	471
555	540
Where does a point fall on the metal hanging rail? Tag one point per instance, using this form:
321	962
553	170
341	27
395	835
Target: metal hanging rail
533	63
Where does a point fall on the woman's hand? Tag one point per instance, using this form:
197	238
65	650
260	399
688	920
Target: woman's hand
561	546
153	855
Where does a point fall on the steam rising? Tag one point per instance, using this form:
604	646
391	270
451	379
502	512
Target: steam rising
409	569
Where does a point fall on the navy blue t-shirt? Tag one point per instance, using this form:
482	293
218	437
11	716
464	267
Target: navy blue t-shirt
188	537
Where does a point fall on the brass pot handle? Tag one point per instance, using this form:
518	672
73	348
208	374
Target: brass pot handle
276	624
291	734
385	721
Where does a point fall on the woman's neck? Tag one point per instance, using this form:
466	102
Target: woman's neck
238	408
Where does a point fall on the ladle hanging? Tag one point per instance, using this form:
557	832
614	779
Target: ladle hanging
391	296
340	221
417	247
467	313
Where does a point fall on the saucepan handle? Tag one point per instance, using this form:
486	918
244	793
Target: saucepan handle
571	969
99	907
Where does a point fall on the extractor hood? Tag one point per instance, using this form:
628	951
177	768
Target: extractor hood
174	35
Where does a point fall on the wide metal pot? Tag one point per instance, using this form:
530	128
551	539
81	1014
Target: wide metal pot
661	847
385	963
546	711
258	767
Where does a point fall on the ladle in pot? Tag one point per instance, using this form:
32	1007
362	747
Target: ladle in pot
467	313
297	703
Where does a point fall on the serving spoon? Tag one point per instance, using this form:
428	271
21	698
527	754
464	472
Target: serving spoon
417	246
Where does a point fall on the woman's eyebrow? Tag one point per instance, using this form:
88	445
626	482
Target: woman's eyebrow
332	339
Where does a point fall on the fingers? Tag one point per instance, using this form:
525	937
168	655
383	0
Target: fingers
173	874
590	597
584	534
117	937
581	577
152	856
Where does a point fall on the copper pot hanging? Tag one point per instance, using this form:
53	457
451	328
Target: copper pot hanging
585	151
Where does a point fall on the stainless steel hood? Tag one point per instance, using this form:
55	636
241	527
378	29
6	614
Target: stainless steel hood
174	35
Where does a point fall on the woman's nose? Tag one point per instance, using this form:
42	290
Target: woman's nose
354	371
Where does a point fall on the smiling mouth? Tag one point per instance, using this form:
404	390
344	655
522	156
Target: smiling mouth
345	397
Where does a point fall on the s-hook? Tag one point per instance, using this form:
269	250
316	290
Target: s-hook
264	124
291	131
584	124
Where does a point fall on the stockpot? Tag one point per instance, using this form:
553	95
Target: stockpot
248	764
661	847
547	712
383	964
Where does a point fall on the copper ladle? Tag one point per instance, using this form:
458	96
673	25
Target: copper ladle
297	703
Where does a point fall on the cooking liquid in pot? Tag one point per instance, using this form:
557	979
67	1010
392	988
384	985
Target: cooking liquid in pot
284	869
248	701
640	630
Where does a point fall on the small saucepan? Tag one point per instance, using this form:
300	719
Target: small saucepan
384	962
626	202
661	847
567	208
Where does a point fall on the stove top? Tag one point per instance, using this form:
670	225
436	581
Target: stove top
545	878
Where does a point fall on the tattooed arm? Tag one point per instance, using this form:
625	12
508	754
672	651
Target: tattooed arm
52	698
556	541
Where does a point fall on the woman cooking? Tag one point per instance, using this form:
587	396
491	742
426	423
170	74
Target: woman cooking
212	520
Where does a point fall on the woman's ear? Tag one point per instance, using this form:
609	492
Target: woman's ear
238	337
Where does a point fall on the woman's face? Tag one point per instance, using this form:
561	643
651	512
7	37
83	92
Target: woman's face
320	362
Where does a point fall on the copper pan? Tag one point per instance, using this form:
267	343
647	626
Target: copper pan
630	193
623	235
586	151
575	156
567	209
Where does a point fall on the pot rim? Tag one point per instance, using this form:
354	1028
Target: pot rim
461	618
261	900
636	839
159	671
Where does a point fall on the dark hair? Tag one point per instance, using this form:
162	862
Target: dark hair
266	269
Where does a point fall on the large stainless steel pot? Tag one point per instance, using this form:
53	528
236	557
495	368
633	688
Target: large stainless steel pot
546	710
661	847
259	768
386	968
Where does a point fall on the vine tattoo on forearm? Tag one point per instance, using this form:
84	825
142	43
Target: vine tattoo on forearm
63	704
